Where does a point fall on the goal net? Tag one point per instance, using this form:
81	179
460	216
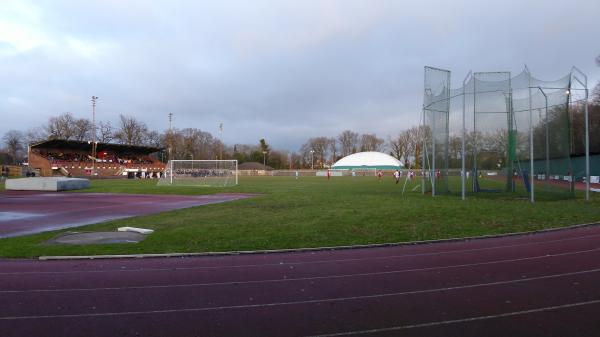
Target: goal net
208	173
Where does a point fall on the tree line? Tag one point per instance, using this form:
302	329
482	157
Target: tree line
317	152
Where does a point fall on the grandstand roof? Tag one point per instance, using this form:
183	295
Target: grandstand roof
76	145
369	160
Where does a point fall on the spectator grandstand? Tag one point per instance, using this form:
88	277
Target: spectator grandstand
76	159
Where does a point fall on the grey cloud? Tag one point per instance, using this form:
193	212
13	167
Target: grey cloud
284	71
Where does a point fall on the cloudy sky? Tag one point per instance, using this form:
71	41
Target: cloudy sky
280	70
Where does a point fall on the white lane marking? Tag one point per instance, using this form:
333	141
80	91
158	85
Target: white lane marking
299	263
333	299
388	272
462	320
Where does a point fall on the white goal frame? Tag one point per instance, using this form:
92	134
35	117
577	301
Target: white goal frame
170	167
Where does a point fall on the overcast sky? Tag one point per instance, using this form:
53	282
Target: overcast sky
279	70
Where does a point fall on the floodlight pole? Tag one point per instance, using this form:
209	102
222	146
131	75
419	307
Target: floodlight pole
464	132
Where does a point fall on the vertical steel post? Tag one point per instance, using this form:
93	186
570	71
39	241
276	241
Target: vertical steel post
462	149
464	132
474	174
531	181
423	134
547	141
432	168
587	146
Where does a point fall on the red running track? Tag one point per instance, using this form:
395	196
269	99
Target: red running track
33	212
544	284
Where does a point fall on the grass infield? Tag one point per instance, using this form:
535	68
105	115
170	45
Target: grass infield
315	212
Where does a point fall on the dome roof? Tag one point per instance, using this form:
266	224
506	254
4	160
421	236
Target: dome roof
375	160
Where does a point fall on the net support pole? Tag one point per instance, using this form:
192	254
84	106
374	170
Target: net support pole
171	172
474	174
547	135
587	146
432	168
236	172
531	181
463	179
587	130
423	152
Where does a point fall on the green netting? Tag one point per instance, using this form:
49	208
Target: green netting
514	128
436	113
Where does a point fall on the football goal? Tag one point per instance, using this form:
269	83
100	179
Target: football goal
206	173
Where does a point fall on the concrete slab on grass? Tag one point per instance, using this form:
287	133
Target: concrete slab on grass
53	184
95	238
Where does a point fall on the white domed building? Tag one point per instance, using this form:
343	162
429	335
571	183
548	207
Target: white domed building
368	160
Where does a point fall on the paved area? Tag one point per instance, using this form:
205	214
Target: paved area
532	285
33	212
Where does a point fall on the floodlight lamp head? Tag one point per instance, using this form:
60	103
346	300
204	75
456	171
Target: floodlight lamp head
568	92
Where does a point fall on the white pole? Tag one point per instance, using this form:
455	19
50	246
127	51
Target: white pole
236	172
171	172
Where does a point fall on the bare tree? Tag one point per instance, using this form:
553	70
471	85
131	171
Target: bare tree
415	147
399	145
35	135
319	147
131	131
14	144
82	129
333	149
152	138
370	142
105	132
348	142
61	127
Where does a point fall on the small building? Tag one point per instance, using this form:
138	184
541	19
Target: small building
80	159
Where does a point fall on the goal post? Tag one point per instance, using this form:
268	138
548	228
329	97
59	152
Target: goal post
202	173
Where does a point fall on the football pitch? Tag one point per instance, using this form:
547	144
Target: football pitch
314	212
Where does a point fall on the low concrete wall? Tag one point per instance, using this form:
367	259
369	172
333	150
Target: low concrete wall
47	184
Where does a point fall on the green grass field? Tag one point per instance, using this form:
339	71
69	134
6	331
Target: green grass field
314	212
